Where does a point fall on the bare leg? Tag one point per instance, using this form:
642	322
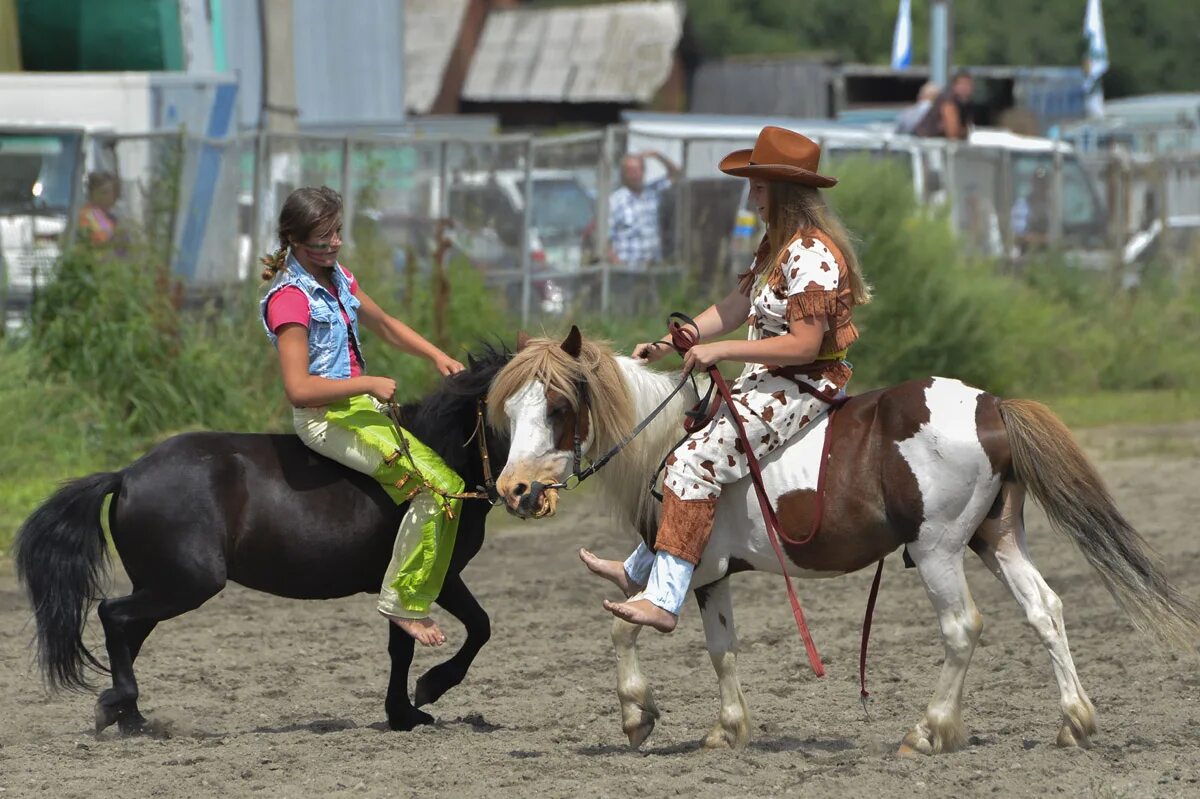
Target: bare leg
666	590
716	609
425	631
643	612
1000	543
611	570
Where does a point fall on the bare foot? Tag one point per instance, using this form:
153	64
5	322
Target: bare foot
611	570
425	631
643	611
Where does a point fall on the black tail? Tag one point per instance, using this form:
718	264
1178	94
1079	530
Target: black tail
61	558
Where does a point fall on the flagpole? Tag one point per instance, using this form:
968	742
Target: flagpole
941	40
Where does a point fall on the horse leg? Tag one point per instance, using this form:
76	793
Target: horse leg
941	729
1000	543
401	715
458	600
638	709
716	609
127	621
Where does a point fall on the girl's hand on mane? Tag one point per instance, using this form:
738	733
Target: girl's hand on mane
446	365
651	351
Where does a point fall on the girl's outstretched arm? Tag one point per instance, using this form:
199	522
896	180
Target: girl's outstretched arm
401	336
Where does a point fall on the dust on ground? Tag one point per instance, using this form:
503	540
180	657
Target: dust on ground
253	695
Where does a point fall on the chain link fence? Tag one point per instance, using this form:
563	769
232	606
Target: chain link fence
537	216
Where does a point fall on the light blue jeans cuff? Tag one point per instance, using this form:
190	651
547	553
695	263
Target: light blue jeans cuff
638	565
669	581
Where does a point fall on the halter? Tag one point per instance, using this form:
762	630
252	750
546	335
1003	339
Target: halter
578	474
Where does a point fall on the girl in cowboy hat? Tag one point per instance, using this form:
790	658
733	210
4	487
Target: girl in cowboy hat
798	295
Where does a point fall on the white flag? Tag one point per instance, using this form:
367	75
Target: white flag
1095	64
902	37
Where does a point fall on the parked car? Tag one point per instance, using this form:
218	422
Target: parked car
488	214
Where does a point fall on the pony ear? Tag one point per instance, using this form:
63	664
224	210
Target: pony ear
573	344
523	339
471	362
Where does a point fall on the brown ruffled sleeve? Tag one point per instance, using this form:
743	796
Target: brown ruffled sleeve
808	304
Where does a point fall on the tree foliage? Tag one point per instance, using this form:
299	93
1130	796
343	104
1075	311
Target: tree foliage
1154	45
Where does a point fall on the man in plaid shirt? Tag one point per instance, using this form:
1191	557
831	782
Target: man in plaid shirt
634	236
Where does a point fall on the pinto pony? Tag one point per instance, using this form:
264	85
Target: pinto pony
933	465
202	509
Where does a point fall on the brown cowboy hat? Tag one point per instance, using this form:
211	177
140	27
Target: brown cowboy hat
779	154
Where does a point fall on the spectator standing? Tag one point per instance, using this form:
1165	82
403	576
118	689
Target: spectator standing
949	117
908	119
96	221
634	233
1030	215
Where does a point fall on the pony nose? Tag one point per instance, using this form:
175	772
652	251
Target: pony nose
531	498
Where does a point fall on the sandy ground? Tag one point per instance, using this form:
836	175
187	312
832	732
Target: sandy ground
259	696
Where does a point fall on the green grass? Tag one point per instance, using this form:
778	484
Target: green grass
1105	408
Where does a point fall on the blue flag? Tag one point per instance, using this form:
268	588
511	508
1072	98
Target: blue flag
1095	63
902	37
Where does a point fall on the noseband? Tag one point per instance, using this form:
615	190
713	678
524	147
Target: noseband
578	474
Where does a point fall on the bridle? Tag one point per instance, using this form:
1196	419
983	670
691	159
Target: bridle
487	491
578	473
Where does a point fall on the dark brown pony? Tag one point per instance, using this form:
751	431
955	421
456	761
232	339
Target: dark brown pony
202	509
933	465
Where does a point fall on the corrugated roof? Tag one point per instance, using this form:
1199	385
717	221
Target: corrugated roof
431	28
618	53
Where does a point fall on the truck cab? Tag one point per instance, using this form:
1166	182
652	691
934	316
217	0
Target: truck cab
41	178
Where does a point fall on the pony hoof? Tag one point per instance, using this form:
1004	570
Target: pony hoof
914	744
718	738
639	719
1071	736
638	734
133	724
410	721
106	716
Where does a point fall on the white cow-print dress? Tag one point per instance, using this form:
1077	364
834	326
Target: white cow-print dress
773	407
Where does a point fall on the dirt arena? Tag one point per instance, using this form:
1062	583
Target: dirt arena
258	696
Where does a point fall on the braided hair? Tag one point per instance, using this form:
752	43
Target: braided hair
306	212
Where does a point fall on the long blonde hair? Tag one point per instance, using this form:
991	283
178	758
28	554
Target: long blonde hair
545	360
795	207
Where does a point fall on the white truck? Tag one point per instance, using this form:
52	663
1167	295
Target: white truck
55	128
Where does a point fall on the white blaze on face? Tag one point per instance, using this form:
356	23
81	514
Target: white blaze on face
532	434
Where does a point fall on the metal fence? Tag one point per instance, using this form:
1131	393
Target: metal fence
532	214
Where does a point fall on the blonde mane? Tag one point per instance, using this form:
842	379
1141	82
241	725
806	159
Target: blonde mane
621	393
546	361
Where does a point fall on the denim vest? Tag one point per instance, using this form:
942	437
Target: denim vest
328	335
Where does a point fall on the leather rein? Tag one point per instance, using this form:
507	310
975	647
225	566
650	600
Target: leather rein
487	491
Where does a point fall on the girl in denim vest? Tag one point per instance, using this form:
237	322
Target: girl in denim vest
311	313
